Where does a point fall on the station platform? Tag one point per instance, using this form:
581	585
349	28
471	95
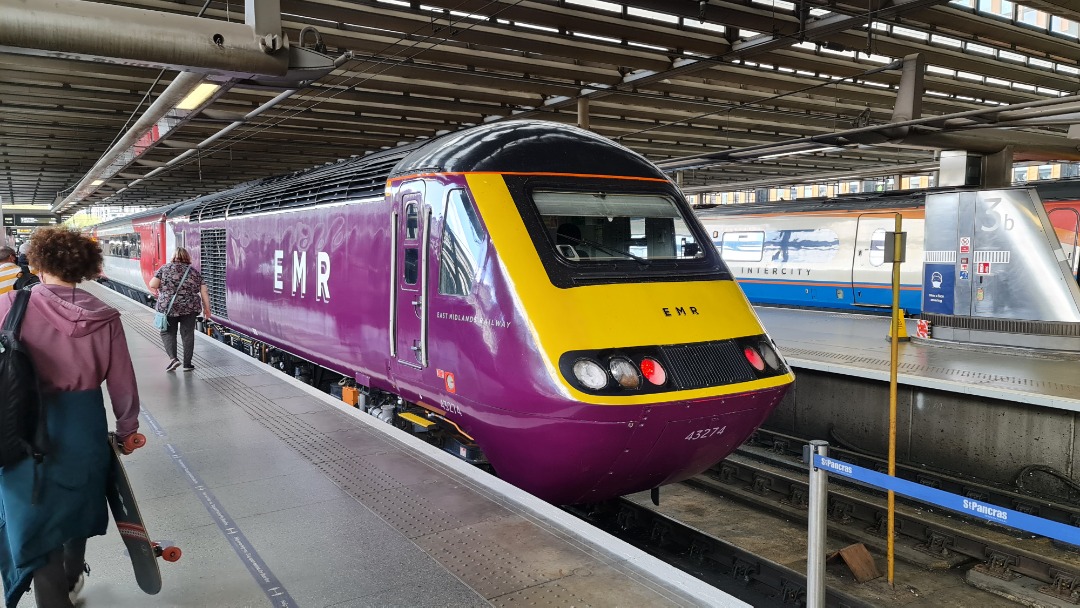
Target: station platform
280	495
856	345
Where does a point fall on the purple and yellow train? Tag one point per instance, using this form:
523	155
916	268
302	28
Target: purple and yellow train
525	290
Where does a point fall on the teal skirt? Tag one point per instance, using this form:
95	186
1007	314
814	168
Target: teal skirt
72	501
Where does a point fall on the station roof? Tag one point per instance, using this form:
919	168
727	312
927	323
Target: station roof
667	78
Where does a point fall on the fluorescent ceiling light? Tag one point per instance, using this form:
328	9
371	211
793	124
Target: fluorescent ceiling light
807	151
198	96
97	182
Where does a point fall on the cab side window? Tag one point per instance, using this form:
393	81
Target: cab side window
463	245
412	251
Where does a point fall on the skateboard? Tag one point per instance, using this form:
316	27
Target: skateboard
129	522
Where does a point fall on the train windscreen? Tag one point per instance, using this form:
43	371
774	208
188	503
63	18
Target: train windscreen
594	226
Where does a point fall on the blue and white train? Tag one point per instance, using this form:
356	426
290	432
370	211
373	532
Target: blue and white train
830	253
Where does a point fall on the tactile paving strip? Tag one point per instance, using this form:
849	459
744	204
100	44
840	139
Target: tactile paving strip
473	555
551	594
373	488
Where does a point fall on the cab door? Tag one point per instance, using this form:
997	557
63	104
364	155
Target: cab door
871	277
412	230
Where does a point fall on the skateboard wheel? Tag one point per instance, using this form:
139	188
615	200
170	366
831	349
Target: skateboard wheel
134	442
171	554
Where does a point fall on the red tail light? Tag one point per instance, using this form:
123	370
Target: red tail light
754	357
653	371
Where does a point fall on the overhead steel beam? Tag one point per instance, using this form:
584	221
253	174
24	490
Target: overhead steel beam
93	31
825	27
166	102
788	179
758	45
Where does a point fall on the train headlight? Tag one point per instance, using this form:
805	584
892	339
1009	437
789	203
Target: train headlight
772	358
590	374
653	371
754	357
624	372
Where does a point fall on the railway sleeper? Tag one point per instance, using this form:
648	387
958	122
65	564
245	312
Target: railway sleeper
999	565
937	544
797	497
793	593
743	569
1065	587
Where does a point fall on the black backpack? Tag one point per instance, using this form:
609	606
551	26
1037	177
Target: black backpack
26	278
23	432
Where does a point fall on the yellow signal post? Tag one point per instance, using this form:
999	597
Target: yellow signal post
898	246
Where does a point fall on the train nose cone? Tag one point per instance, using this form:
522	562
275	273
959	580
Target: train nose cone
680	440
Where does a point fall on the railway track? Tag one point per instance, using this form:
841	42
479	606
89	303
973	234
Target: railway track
742	528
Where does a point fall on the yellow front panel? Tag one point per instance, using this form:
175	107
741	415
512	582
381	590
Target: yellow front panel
606	316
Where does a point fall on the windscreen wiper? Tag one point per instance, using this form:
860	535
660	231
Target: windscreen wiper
626	254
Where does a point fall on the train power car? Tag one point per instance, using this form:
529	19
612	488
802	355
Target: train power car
830	253
523	290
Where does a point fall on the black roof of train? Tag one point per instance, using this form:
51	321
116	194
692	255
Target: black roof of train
518	146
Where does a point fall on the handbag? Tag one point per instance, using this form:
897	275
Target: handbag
161	319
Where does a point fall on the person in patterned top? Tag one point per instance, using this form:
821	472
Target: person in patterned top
191	296
9	270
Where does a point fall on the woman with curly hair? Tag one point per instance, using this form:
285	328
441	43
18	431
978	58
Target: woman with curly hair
76	342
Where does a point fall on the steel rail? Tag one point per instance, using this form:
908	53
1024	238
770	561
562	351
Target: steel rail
785	491
975	489
736	571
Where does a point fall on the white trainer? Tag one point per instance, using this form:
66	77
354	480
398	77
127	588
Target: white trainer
80	582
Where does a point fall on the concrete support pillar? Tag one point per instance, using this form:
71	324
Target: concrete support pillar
959	168
583	112
997	169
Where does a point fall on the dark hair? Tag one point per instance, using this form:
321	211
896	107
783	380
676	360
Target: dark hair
65	254
6	252
182	256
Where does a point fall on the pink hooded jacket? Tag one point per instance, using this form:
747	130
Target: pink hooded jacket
77	342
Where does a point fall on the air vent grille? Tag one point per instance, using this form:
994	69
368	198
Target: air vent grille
707	364
350	179
212	251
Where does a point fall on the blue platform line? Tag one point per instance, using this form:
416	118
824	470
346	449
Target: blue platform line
982	510
266	580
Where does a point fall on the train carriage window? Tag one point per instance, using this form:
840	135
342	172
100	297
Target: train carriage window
599	226
877	247
810	246
462	246
742	246
412	222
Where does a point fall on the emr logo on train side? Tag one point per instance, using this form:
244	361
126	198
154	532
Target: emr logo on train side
680	311
299	274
